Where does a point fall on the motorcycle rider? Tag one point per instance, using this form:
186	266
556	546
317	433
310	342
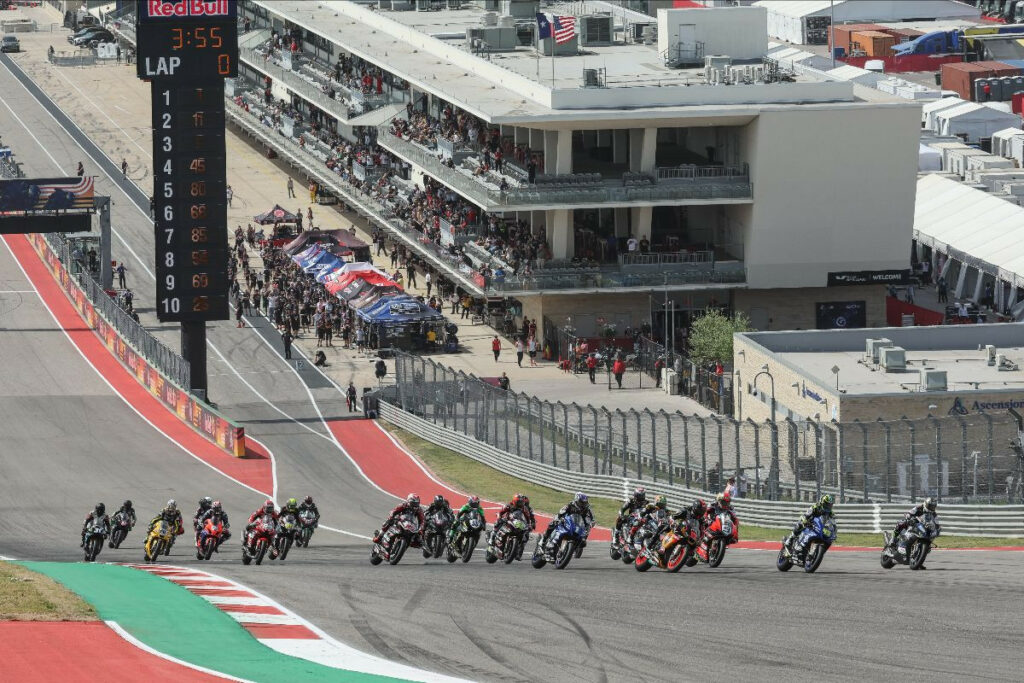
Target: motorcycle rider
914	515
290	507
309	506
128	512
723	503
99	513
634	503
172	515
266	509
204	507
216	515
655	514
518	502
580	505
823	508
439	504
470	508
410	504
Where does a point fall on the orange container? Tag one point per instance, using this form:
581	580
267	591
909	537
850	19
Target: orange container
873	43
839	35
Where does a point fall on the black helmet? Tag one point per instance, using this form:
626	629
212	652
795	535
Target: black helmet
929	504
639	494
127	505
308	500
101	509
205	502
438	499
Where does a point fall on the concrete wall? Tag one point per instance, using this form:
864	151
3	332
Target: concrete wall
697	95
834	190
740	32
794	309
797	403
939	338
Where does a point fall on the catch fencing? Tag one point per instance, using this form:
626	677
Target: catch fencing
156	353
964	458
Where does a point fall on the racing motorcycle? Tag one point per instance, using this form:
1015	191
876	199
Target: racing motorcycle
623	545
259	540
287	530
209	539
674	549
120	525
159	540
307	522
913	545
95	534
808	548
509	541
567	540
393	543
435	532
720	533
467	535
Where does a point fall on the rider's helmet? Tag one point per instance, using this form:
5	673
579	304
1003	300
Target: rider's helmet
639	494
724	500
929	504
268	506
826	502
171	505
292	502
581	499
438	499
474	501
698	504
127	505
517	502
101	509
215	505
412	500
206	502
308	500
526	500
661	502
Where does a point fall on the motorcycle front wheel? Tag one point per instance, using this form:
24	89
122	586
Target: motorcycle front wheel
511	550
917	554
468	547
261	550
716	553
286	544
208	547
642	564
676	557
814	557
397	550
564	553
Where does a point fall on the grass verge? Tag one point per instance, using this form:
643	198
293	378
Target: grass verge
466	474
28	596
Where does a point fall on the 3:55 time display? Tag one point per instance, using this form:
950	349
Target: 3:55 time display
198	37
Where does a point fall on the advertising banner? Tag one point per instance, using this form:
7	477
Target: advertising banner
187	407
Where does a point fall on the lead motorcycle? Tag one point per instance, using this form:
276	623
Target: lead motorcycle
721	532
913	544
809	547
396	540
287	530
567	540
435	532
466	538
95	534
209	539
259	540
509	541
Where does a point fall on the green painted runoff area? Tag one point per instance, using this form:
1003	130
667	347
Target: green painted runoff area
176	622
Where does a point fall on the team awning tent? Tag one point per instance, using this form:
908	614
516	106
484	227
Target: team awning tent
399	309
971	226
276	215
338	241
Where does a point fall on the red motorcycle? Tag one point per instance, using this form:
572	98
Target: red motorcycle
674	548
209	539
260	539
721	532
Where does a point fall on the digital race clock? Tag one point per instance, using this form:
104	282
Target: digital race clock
187	40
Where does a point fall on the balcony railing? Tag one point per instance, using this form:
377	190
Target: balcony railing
307	85
606	277
700	183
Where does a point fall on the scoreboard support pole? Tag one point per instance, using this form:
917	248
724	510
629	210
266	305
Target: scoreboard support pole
193	349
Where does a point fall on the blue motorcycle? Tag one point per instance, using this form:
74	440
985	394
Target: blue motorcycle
567	540
809	547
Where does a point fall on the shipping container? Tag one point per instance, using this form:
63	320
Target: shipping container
842	33
872	43
902	34
960	76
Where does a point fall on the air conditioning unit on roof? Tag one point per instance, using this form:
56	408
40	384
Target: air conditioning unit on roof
892	358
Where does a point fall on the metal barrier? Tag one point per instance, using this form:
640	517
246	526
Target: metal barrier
953	458
975	520
77	58
166	361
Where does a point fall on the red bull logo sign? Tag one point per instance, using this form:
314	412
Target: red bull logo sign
167	9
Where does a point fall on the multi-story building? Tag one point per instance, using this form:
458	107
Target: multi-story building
736	184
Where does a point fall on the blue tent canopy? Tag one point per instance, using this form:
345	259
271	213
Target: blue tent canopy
399	309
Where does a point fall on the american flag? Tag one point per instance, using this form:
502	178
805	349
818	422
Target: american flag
565	29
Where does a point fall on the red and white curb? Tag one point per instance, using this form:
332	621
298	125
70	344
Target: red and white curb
279	628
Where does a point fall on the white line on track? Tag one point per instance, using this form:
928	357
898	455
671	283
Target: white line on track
17	291
116	628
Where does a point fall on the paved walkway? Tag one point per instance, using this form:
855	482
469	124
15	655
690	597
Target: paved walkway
112	106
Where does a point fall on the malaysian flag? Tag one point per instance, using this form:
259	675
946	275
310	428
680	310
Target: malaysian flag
564	29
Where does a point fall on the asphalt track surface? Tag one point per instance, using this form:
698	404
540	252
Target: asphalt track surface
68	440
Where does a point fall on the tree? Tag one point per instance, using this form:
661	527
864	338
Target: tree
710	336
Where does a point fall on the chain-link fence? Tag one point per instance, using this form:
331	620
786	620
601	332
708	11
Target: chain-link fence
166	361
956	458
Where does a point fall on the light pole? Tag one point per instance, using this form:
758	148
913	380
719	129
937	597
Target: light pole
773	473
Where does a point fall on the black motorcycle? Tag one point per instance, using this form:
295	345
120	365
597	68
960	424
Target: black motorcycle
287	531
509	541
95	534
396	540
120	525
435	532
307	522
467	535
913	545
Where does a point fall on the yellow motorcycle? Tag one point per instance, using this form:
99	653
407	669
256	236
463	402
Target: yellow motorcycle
159	540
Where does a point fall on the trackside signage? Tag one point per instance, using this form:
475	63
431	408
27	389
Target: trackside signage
183	9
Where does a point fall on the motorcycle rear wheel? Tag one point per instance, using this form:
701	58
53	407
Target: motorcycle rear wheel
375	559
614	552
642	564
397	550
813	558
887	561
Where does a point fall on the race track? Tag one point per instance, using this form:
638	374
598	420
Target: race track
70	441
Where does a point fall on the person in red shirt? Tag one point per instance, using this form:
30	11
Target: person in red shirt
592	366
618	369
496	347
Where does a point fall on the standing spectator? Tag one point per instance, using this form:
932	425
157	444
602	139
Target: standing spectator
592	366
238	311
80	171
230	194
309	216
120	270
360	339
298	220
730	488
503	381
942	290
351	396
741	483
659	365
312	192
291	188
428	282
496	347
94	262
519	351
455	301
124	167
394	258
286	339
618	369
632	245
410	271
118	53
531	348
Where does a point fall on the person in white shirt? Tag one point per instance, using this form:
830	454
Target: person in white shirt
730	488
632	244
